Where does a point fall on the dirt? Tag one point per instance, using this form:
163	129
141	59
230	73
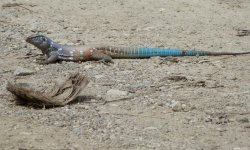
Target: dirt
169	103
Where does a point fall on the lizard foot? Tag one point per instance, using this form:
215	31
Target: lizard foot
41	61
105	62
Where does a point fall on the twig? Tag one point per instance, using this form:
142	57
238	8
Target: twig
27	8
16	5
133	115
3	21
119	100
29	56
115	100
230	113
210	75
11	5
243	33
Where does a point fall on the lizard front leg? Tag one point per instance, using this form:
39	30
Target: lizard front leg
52	58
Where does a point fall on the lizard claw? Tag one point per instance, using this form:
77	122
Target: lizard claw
105	62
42	61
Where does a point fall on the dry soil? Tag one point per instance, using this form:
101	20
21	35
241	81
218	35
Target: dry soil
172	103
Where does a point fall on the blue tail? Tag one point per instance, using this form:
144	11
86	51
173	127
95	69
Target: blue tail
149	52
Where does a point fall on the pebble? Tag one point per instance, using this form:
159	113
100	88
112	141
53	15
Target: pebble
138	85
37	68
49	31
116	92
247	126
243	120
151	128
99	76
176	106
23	71
88	67
221	129
241	148
1	106
162	9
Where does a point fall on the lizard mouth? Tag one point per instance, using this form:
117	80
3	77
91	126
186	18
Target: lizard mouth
29	39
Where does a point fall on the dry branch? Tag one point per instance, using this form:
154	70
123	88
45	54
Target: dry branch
59	96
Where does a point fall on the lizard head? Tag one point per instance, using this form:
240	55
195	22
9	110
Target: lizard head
40	41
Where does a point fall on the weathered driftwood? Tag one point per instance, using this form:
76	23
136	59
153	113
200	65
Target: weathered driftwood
60	95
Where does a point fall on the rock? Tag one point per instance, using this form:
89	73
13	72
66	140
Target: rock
137	86
49	31
151	128
160	104
23	71
247	126
162	9
176	106
37	68
116	93
88	67
243	120
99	76
1	106
241	148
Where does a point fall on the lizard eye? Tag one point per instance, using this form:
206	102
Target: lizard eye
37	39
43	39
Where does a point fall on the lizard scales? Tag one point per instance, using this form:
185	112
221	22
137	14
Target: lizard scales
55	51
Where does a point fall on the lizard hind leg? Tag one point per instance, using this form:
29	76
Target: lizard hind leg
101	57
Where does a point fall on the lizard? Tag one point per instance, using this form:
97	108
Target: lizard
55	52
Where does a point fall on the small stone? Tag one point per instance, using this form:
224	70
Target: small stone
23	71
49	31
208	119
153	107
184	106
221	129
151	128
241	148
176	106
25	133
76	29
83	107
133	29
149	28
99	76
88	67
243	120
164	112
1	106
106	22
115	92
160	104
37	68
162	9
137	86
70	43
247	126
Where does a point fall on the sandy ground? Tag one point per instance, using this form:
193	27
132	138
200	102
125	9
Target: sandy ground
207	107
